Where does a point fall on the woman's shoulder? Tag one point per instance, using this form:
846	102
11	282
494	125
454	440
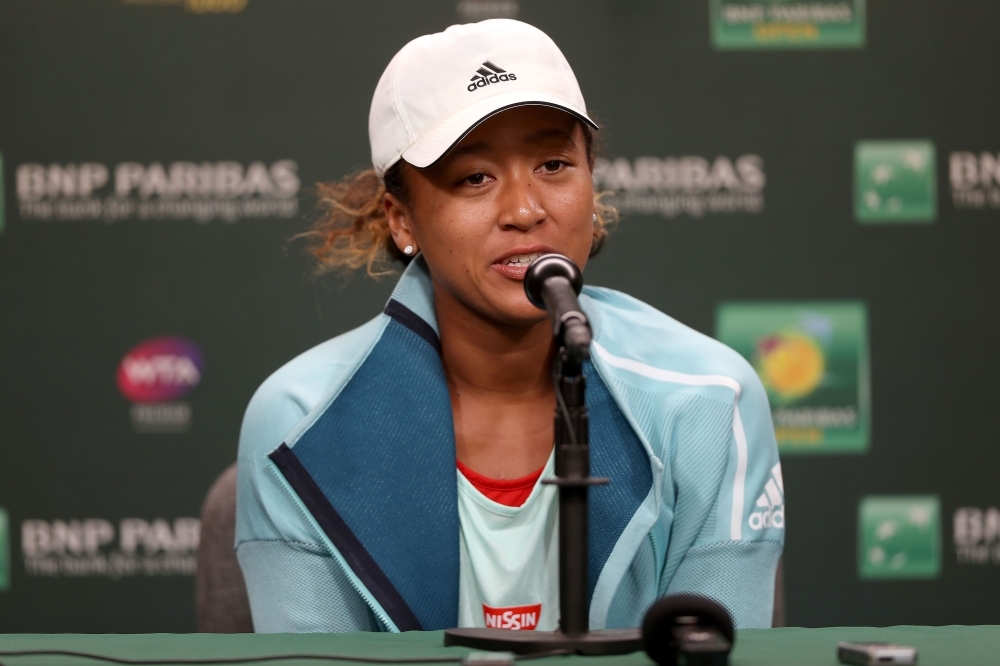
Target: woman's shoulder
304	383
632	334
279	406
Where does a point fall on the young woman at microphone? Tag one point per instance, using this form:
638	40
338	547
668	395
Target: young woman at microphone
390	478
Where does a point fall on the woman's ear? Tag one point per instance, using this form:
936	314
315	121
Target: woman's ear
398	216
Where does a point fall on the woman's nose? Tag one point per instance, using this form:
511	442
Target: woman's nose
520	206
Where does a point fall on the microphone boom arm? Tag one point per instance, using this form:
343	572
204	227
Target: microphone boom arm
570	325
552	284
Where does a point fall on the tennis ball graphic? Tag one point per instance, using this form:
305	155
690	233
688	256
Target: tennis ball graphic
790	364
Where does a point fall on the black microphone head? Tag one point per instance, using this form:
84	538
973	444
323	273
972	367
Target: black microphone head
679	611
544	267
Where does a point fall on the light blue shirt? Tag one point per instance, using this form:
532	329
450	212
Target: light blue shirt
509	566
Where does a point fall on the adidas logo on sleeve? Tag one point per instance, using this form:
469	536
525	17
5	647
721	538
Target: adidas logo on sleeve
489	74
770	506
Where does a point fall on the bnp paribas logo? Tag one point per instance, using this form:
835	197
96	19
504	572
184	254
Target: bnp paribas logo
894	181
899	537
4	551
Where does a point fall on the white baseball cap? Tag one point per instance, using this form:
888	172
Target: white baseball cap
439	87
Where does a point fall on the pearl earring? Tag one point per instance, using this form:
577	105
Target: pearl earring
408	249
595	218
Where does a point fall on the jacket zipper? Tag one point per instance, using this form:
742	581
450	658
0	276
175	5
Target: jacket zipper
362	592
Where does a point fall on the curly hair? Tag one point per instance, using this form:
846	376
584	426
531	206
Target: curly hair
353	230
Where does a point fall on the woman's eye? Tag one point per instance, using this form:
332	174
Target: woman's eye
476	179
552	165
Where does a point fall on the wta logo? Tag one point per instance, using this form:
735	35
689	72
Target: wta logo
160	370
516	618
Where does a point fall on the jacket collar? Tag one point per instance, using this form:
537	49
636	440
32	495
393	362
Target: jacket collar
415	292
376	468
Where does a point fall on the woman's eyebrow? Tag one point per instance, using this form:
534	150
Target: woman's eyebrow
539	136
472	148
550	133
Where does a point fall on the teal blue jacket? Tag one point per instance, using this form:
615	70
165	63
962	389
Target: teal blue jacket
347	496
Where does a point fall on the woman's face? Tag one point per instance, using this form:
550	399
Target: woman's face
516	187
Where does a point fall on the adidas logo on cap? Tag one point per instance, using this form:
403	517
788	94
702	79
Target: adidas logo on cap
489	73
771	504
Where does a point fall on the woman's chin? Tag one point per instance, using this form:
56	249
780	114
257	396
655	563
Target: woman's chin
518	312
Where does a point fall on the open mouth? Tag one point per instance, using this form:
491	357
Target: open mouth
515	266
521	260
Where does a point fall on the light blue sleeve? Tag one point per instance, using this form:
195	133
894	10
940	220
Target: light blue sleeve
294	589
294	585
740	534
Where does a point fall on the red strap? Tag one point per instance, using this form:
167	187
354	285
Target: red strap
512	492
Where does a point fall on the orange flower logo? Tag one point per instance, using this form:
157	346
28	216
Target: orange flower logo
791	365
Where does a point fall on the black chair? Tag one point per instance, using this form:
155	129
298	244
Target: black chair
778	617
221	595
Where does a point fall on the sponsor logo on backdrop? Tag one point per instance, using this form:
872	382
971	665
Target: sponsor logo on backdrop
975	180
687	185
4	550
227	191
154	376
769	509
516	618
756	24
812	358
93	547
977	535
894	181
471	11
899	537
194	6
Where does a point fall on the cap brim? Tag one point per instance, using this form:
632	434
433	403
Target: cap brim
438	140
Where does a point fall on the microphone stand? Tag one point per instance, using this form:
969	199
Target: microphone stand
573	479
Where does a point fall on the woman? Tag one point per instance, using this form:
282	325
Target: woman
349	514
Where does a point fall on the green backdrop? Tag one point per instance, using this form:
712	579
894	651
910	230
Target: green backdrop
779	164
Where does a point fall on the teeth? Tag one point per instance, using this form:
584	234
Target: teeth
522	259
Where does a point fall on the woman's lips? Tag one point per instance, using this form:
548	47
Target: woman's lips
511	271
516	265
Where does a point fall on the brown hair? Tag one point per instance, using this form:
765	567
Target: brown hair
353	230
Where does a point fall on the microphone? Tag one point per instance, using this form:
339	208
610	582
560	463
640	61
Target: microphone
688	630
551	284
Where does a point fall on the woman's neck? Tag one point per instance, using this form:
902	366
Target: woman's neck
500	382
483	356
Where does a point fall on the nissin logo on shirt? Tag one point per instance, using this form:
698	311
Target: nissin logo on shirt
160	369
517	618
